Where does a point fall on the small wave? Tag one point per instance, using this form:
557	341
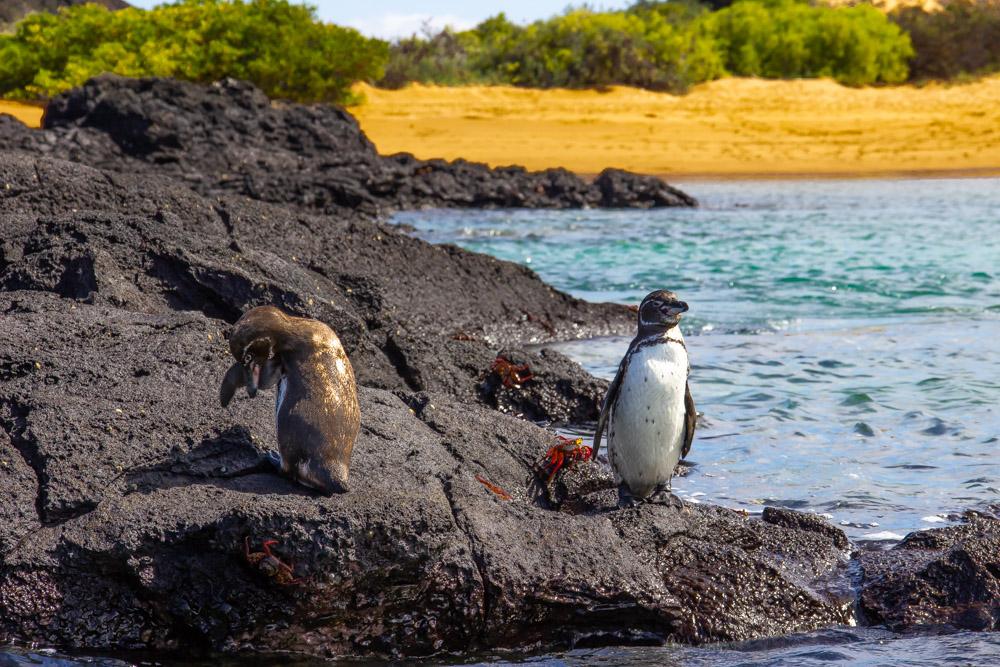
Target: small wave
857	398
882	536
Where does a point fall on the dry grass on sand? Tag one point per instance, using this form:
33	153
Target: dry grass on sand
734	127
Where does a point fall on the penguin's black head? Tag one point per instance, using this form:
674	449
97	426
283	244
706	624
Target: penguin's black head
660	310
262	364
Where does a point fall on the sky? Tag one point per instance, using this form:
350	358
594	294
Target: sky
398	18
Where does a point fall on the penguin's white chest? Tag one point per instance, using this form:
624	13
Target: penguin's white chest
646	423
279	401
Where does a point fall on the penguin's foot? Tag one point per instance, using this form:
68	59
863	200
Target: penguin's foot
273	459
662	495
625	497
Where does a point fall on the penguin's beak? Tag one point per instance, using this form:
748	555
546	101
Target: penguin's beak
677	309
253	379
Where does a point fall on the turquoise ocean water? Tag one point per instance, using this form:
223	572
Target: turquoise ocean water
844	336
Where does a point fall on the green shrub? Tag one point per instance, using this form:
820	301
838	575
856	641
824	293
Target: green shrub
962	39
581	48
584	49
442	58
663	46
277	45
784	39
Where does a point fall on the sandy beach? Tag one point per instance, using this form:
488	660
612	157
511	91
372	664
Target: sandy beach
731	127
28	114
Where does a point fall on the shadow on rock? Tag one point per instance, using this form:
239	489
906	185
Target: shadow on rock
218	460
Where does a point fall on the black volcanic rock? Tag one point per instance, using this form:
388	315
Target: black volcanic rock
939	578
412	315
623	189
229	138
130	496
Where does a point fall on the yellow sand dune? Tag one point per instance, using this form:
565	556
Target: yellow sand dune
28	114
740	127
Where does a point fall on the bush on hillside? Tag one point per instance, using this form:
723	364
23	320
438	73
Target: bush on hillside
663	46
963	38
277	45
442	58
578	49
785	39
583	48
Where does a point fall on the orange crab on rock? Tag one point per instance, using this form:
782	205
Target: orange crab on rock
566	451
511	375
270	565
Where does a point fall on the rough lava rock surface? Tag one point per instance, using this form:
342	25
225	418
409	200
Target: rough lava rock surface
411	315
130	496
229	138
945	577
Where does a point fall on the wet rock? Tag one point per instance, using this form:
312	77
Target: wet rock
780	516
229	138
944	577
556	388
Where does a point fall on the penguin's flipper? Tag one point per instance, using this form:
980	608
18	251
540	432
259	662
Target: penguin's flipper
609	400
235	377
690	416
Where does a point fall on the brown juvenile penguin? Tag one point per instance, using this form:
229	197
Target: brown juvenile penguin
317	417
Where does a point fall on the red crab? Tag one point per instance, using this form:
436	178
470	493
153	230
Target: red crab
564	452
269	564
499	492
511	375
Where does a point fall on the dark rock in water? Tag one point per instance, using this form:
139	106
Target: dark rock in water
623	189
944	577
229	138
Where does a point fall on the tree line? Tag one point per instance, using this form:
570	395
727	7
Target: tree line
285	50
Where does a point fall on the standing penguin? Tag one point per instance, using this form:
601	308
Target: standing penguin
317	417
648	408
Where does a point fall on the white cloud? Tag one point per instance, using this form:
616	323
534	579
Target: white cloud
391	26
